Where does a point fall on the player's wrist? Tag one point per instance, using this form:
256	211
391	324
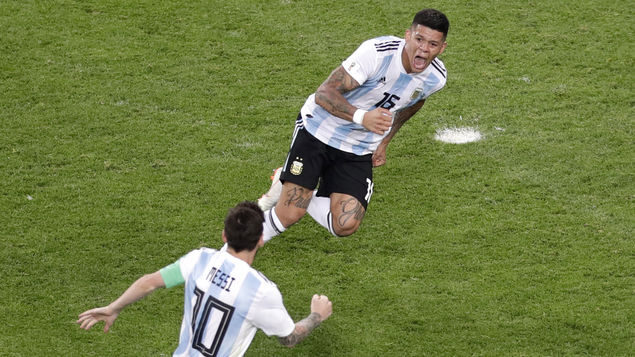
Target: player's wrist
316	317
358	117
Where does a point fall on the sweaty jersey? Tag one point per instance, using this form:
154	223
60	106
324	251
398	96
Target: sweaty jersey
376	65
226	301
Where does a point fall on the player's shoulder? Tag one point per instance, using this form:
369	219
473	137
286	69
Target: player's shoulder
194	260
438	68
265	291
197	253
263	278
384	43
201	252
268	292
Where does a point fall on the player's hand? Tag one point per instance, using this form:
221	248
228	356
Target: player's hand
379	156
321	305
378	120
88	319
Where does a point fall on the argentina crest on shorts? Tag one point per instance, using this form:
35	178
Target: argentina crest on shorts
296	167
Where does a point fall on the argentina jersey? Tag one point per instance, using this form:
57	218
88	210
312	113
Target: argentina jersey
226	301
377	66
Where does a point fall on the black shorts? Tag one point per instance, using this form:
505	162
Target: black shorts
311	161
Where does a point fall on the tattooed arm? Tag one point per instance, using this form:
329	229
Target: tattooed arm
302	329
321	309
330	96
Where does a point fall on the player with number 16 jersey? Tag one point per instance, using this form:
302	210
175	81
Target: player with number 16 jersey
377	65
344	128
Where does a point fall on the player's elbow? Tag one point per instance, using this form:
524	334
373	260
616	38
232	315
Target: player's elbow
325	94
321	95
150	282
287	341
298	334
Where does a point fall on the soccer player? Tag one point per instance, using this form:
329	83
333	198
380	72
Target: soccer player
226	300
344	128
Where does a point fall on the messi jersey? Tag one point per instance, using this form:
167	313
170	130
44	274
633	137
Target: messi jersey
226	301
376	65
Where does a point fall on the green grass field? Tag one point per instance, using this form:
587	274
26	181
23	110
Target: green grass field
128	129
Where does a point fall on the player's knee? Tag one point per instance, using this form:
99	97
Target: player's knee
295	216
347	216
346	229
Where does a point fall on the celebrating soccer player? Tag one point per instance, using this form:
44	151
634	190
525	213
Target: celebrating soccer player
226	300
344	128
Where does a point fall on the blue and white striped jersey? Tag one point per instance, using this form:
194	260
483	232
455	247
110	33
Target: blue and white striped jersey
376	65
226	301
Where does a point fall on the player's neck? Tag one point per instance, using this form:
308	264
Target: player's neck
244	255
405	61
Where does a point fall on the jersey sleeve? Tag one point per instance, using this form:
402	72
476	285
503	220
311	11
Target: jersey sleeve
189	260
175	273
271	316
440	73
361	64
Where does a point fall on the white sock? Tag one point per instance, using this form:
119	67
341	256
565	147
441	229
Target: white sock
320	209
272	226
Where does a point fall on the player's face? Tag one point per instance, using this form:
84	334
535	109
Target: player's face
423	45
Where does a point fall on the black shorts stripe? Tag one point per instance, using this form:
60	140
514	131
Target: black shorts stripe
299	125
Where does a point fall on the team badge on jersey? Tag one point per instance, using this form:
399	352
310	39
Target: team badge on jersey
416	93
296	167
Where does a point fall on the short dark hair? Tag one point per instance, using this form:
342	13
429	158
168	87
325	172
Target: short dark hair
243	226
433	19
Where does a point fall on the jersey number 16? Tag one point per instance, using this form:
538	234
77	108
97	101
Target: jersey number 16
387	102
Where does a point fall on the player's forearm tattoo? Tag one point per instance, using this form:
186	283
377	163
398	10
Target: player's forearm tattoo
333	101
351	208
302	330
298	197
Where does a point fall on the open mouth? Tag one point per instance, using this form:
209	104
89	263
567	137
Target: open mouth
419	63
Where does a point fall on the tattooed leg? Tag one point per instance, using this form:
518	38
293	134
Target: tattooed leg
293	203
298	196
348	214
